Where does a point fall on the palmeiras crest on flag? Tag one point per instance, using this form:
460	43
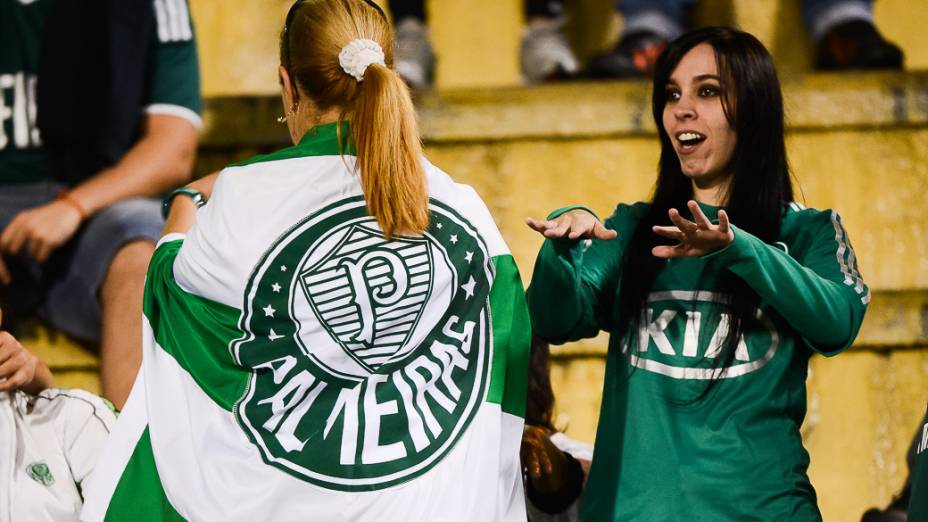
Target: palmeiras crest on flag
369	293
369	357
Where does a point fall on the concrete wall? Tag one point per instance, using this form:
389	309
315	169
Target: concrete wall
477	41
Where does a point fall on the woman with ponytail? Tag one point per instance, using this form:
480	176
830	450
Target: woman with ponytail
715	292
333	331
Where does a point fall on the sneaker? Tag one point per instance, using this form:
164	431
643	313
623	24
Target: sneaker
856	45
545	52
633	57
413	57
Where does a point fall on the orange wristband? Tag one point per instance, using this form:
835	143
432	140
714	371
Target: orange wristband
66	197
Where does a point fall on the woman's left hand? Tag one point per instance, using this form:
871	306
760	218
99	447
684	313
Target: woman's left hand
695	238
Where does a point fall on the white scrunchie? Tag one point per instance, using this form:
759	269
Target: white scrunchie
358	55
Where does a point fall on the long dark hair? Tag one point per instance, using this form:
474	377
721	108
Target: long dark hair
760	187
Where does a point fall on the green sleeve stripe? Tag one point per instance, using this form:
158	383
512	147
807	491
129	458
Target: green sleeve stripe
139	495
512	338
195	331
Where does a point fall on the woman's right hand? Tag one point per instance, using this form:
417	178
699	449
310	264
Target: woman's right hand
575	224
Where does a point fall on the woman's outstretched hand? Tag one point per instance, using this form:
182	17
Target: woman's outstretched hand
575	224
695	238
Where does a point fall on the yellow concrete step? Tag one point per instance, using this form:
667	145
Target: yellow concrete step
477	41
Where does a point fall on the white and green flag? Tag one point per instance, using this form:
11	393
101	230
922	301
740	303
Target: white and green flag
299	366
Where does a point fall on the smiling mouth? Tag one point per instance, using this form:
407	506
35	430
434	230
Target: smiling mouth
688	140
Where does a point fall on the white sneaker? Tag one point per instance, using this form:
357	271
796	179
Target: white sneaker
413	57
545	52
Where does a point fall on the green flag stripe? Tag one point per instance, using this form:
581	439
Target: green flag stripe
139	495
195	331
512	338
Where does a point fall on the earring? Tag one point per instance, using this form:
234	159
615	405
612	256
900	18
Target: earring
281	119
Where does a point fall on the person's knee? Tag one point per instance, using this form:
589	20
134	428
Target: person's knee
129	265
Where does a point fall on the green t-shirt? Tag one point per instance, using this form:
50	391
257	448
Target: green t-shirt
918	503
173	79
737	454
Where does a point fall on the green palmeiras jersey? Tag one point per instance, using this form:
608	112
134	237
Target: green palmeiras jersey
737	454
298	365
173	79
918	502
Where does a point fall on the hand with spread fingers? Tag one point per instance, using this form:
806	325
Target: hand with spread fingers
542	462
575	224
696	238
20	369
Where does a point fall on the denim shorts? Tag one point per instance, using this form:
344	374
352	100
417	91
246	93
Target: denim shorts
64	291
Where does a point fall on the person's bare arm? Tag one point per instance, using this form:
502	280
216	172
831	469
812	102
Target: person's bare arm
183	212
161	159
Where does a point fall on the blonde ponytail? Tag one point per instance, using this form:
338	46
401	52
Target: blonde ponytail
385	134
370	94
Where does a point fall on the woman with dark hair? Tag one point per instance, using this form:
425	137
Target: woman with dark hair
715	292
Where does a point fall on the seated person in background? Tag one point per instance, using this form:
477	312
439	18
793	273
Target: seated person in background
49	439
554	466
545	53
78	221
843	31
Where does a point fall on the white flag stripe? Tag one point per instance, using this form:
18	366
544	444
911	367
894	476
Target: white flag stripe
337	315
331	305
319	286
413	261
407	251
418	269
332	294
186	28
377	350
161	16
355	246
395	339
419	279
322	277
345	328
172	20
404	302
350	316
398	312
395	328
407	319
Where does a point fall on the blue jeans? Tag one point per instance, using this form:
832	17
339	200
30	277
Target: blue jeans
65	290
667	17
